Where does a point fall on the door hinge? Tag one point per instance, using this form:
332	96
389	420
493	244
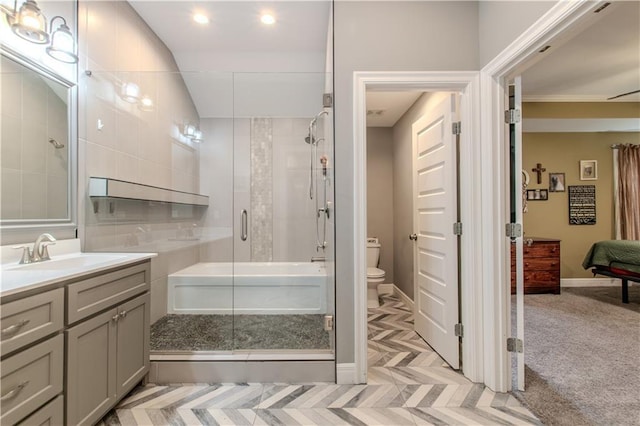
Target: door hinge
514	230
512	116
456	128
457	228
327	100
328	322
514	345
458	330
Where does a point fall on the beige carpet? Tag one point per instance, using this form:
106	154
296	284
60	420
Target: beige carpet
582	357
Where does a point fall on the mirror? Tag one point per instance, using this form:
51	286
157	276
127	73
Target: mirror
37	152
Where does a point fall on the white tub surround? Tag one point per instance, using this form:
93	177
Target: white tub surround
248	288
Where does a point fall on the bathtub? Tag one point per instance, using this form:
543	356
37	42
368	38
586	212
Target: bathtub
248	288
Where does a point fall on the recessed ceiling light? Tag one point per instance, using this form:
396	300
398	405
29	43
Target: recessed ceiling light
268	19
201	18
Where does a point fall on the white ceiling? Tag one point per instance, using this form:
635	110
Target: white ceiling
385	108
235	25
601	61
594	63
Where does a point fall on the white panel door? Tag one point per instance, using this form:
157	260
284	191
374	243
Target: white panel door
436	248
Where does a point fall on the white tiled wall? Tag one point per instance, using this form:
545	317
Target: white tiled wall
291	219
34	172
121	140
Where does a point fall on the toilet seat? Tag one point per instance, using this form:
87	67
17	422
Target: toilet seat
375	273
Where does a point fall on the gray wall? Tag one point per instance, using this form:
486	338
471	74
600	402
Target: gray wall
501	22
380	194
385	36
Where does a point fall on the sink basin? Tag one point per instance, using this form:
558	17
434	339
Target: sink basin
79	261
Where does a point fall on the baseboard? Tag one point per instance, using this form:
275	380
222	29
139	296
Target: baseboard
165	372
346	373
590	282
405	299
386	288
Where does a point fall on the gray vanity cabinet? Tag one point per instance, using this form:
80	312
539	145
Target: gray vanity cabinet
132	346
107	355
91	368
70	352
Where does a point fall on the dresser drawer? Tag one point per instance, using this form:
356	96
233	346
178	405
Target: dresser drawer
541	250
541	264
30	379
51	414
96	294
26	320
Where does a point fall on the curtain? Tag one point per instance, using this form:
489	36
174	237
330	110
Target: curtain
628	194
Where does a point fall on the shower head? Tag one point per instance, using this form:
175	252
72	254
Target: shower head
312	140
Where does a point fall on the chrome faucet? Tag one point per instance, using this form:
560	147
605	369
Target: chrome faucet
39	252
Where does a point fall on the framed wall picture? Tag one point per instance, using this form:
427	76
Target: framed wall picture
537	194
588	169
556	182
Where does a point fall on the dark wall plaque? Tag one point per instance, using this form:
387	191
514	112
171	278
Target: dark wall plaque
582	205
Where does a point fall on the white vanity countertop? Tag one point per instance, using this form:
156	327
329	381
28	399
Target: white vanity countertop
67	262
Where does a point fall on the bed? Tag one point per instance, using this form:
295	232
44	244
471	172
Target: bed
616	259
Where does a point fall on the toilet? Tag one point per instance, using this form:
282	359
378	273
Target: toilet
375	276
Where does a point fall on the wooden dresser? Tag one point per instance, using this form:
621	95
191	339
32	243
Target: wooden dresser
541	266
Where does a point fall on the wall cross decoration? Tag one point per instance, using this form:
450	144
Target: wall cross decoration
538	169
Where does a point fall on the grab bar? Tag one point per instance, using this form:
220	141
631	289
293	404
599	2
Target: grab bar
243	221
318	259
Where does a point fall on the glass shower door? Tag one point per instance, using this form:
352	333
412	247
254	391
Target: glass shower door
283	224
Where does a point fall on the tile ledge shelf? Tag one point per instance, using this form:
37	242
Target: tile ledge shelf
114	188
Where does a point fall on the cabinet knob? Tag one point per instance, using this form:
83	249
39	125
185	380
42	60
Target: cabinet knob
123	314
413	237
115	318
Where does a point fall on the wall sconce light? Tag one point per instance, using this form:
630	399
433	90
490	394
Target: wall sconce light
193	133
62	45
146	103
29	23
130	92
197	136
189	131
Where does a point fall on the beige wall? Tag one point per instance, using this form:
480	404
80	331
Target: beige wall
562	152
380	194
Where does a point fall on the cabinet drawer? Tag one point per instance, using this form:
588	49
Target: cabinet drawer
51	414
27	320
91	296
541	250
541	264
31	378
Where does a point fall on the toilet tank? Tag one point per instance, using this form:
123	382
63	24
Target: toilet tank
373	252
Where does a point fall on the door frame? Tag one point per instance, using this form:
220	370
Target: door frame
560	22
468	84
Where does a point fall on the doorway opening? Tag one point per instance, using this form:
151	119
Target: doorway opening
465	83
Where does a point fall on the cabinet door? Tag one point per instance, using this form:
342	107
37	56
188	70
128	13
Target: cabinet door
132	343
91	368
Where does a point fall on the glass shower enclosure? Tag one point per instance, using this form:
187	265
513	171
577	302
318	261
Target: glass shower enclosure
262	281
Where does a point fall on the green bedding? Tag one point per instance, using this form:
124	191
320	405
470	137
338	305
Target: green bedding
624	254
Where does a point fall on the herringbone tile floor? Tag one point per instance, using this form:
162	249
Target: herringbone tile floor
408	384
